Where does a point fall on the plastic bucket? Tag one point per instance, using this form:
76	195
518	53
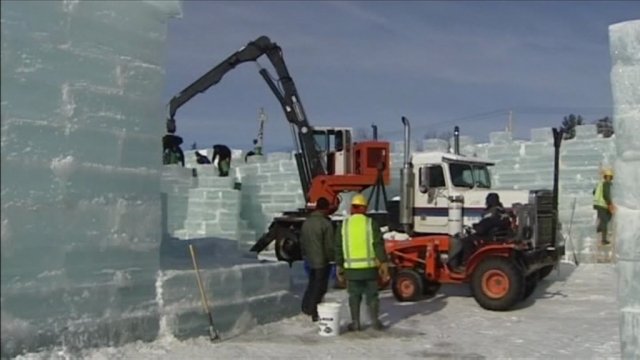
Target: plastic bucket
329	318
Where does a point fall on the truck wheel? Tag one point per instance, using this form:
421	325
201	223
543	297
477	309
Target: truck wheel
545	271
430	288
287	246
530	284
497	284
407	285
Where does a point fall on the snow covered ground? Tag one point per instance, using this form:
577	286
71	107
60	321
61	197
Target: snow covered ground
573	314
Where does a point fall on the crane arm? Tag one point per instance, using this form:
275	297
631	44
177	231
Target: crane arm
309	159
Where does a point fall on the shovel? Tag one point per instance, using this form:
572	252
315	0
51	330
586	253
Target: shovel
213	333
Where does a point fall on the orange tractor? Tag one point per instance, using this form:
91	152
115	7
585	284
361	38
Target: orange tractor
504	268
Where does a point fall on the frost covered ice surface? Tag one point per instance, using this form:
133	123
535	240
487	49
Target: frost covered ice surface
81	209
625	87
571	315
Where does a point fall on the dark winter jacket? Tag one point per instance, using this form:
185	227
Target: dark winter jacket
222	152
316	238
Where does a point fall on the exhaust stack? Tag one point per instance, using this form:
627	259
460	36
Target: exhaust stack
456	140
406	183
375	131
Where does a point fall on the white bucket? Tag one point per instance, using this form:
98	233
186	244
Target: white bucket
329	314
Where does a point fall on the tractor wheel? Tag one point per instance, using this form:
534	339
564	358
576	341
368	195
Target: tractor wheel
545	271
497	283
430	288
407	285
530	284
288	246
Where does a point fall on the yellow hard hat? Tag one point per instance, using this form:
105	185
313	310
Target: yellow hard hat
359	200
607	172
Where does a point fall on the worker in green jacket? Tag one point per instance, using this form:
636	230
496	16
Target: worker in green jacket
603	205
360	259
316	238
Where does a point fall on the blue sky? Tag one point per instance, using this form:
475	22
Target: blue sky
358	63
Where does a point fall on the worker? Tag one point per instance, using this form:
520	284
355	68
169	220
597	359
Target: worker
316	237
171	151
603	205
360	260
223	153
257	150
494	219
201	159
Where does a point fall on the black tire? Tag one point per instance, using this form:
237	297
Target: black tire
288	246
545	271
497	283
530	285
430	288
407	285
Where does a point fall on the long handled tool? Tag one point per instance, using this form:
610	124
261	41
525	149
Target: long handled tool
213	333
573	248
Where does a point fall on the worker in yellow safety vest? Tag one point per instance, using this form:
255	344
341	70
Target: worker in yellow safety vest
603	205
360	259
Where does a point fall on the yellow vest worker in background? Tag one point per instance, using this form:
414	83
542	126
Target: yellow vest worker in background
360	259
603	205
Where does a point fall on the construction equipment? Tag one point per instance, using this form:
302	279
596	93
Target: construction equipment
504	268
213	332
328	161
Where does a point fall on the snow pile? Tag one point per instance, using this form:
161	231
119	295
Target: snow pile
625	87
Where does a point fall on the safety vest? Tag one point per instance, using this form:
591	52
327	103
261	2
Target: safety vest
598	196
357	242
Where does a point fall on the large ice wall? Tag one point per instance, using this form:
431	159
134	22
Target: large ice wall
81	208
625	87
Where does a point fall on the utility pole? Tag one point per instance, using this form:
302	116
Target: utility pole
262	117
510	122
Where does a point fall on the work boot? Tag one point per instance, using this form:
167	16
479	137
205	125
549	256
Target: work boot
354	308
374	312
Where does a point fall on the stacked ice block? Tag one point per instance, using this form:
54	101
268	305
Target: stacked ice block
625	87
81	207
529	165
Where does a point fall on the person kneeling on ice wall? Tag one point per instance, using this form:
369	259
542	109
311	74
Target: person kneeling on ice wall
360	259
223	153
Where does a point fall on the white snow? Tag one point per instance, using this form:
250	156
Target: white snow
572	315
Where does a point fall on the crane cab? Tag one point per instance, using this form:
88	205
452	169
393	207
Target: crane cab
335	147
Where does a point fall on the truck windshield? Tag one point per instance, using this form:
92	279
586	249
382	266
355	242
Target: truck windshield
466	175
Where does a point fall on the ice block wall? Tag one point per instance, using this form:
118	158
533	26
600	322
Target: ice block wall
82	119
625	87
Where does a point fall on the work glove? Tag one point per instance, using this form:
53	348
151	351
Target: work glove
383	272
342	282
612	208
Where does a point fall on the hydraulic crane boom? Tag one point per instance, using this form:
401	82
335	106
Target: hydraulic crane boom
308	157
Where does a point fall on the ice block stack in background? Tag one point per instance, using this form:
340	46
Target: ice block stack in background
625	87
82	118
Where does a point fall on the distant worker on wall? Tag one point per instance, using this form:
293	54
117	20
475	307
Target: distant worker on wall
201	159
257	150
316	237
360	260
603	205
171	151
223	153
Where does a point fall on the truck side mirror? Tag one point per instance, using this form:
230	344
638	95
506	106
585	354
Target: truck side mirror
424	180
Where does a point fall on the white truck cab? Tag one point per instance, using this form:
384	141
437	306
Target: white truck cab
442	177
